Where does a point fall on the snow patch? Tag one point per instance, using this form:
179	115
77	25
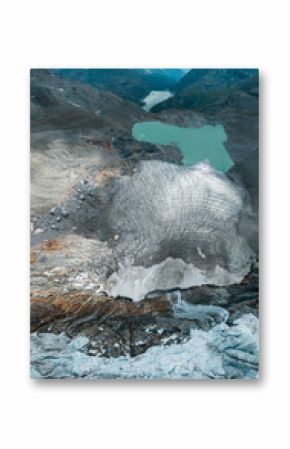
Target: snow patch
155	97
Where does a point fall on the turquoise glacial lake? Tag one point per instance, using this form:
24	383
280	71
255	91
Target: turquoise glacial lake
196	144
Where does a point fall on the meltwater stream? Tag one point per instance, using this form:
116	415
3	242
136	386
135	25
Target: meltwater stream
184	309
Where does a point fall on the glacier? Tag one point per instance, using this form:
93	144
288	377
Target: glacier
175	227
224	352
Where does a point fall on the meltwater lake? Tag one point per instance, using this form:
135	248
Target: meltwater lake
196	144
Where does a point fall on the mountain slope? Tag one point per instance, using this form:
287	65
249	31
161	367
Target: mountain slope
129	84
76	128
229	97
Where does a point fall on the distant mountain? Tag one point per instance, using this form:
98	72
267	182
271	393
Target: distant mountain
203	89
174	74
213	79
129	84
59	103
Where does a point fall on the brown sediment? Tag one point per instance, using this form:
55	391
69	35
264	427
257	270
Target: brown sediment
33	257
52	245
79	303
115	327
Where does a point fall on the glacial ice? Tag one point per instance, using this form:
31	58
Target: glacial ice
136	281
177	227
221	353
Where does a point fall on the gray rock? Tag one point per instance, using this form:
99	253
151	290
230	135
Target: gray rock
64	212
